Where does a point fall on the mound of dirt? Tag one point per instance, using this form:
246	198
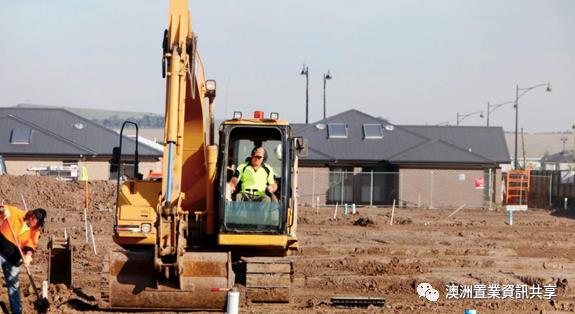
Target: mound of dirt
364	222
394	267
402	221
50	193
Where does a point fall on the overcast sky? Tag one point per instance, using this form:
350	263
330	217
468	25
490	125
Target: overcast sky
411	62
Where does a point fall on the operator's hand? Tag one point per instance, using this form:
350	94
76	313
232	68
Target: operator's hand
27	259
271	188
229	190
4	212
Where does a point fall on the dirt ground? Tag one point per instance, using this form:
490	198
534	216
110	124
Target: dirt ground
355	255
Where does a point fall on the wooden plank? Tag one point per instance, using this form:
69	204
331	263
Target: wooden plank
268	280
266	260
268	268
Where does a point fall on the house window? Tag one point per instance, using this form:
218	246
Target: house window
336	130
372	131
20	136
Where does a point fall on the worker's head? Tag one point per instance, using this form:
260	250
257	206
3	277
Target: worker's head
36	218
258	156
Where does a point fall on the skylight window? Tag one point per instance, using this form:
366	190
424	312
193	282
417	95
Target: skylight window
20	136
336	130
372	131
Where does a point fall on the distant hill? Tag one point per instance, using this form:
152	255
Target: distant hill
110	118
539	144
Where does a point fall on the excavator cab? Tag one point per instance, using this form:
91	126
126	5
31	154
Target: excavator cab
263	225
259	231
242	213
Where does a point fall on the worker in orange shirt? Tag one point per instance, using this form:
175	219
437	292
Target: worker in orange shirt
27	226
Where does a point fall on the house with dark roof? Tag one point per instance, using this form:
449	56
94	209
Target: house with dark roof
58	142
563	162
357	158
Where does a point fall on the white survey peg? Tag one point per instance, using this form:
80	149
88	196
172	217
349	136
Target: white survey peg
422	289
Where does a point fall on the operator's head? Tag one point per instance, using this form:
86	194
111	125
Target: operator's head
258	155
36	218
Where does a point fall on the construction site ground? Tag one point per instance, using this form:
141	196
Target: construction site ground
353	255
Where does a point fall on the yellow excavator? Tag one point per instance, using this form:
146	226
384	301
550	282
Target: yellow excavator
184	239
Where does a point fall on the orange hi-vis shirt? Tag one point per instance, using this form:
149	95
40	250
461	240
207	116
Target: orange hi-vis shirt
28	238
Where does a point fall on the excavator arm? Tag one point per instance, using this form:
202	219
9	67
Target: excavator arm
178	49
157	270
185	140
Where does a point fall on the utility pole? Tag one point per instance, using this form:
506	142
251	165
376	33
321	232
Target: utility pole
325	78
488	114
305	71
516	124
523	149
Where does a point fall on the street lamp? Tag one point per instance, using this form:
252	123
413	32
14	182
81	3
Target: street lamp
517	96
461	117
490	110
305	72
325	78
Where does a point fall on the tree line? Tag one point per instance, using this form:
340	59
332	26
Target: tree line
146	121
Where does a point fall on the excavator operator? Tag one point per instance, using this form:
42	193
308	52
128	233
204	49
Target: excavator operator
254	179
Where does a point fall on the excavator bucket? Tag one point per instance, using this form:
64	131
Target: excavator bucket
132	282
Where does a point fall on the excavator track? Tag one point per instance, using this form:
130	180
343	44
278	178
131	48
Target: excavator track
132	283
268	279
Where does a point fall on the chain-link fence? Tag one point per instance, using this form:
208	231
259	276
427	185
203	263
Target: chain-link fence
367	188
423	188
319	186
